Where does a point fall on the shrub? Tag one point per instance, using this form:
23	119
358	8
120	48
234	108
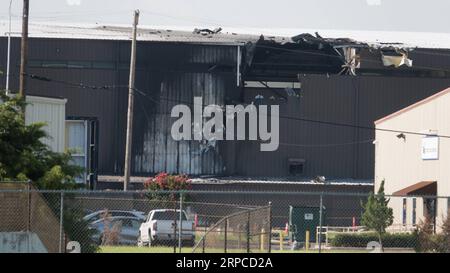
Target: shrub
111	234
431	242
427	240
444	242
400	240
156	186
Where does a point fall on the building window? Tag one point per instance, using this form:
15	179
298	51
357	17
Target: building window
296	166
404	212
76	141
414	213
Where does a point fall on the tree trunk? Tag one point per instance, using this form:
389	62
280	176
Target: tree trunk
381	243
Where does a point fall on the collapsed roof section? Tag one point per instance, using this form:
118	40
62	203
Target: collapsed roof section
307	54
304	54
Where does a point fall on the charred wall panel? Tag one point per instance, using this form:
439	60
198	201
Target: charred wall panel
197	71
154	148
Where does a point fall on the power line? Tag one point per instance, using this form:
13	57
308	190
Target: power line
327	145
369	141
322	122
73	84
318	121
302	52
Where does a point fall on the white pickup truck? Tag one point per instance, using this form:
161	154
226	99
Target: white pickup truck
160	227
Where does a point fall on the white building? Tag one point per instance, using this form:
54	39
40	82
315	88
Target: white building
414	159
52	112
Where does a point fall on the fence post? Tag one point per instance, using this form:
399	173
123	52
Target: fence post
281	239
174	198
29	206
307	240
248	232
180	225
204	239
61	222
226	234
270	226
320	223
29	214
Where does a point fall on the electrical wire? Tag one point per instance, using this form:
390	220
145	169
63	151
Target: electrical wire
75	85
321	122
368	141
302	52
316	121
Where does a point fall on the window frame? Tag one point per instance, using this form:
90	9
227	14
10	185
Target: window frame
85	147
405	211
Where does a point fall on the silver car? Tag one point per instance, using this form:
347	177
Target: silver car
94	216
116	230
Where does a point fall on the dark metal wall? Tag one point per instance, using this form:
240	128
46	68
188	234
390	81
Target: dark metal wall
171	73
167	74
330	150
102	104
175	75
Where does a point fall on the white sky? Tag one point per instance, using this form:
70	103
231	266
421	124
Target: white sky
391	15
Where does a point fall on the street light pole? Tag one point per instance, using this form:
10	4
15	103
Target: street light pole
8	61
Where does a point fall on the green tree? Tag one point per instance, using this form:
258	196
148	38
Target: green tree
24	157
377	214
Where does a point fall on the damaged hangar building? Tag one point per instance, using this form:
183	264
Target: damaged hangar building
329	92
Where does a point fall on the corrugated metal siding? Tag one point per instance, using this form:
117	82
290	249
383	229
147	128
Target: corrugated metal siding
357	101
52	112
179	71
167	72
154	149
102	104
86	103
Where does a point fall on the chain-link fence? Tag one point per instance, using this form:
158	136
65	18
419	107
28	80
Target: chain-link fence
245	231
215	221
28	221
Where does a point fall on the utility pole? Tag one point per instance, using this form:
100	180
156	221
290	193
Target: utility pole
24	49
8	61
129	136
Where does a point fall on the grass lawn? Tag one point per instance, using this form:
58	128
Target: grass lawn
135	249
163	249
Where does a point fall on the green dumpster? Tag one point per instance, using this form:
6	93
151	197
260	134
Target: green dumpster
302	219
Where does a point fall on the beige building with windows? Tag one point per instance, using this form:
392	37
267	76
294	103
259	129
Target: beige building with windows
415	164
